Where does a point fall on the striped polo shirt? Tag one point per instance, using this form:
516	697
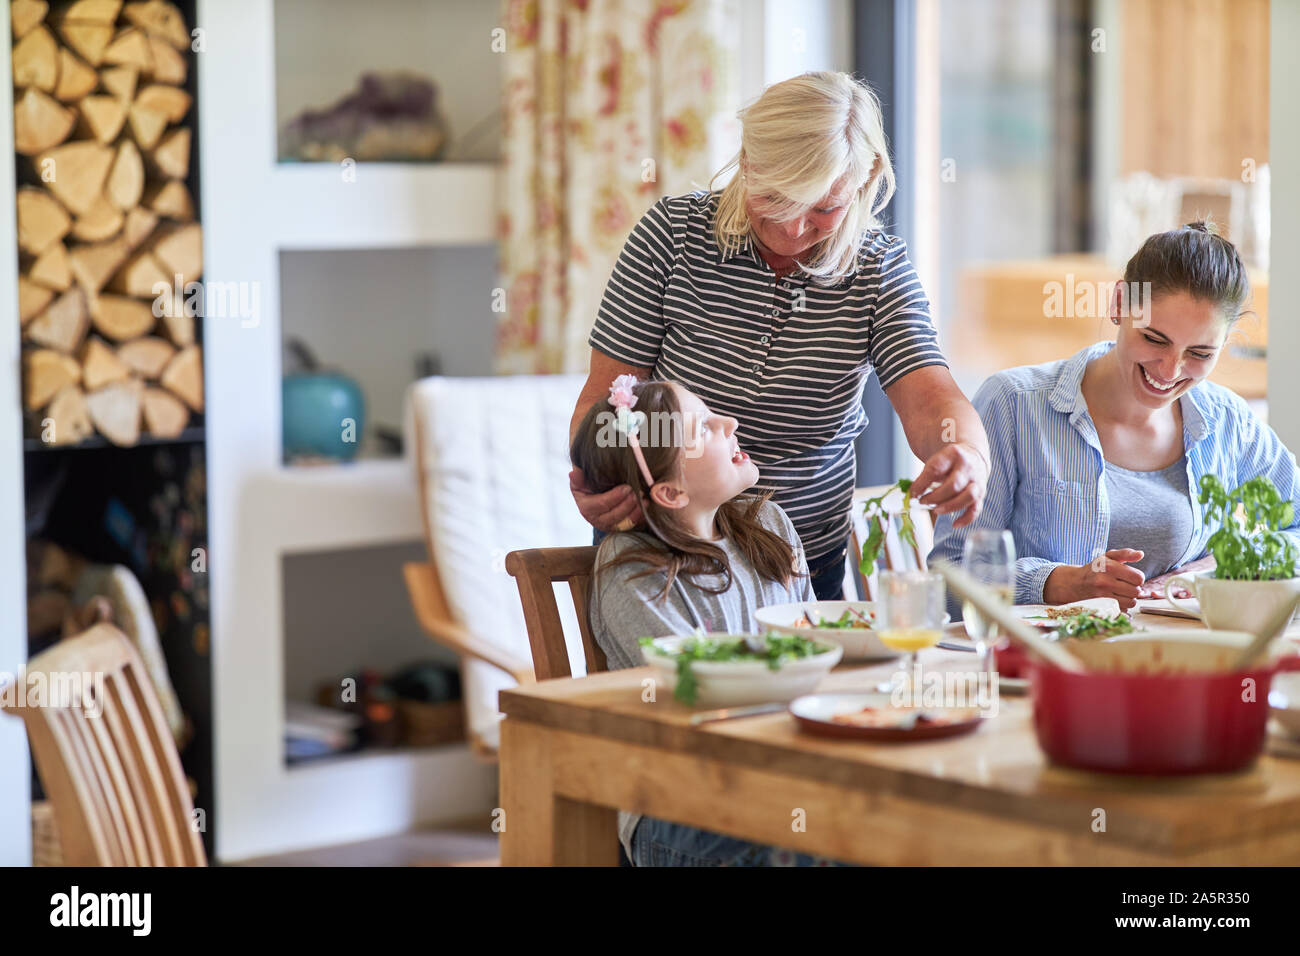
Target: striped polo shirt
787	357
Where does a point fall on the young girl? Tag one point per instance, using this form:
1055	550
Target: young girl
709	558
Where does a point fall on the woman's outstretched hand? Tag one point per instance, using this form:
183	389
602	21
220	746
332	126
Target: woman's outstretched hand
615	510
960	475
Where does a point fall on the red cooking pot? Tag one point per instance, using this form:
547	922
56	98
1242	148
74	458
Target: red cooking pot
1156	702
1010	660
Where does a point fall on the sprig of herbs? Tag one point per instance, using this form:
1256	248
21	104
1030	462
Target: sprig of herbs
876	514
777	648
1249	545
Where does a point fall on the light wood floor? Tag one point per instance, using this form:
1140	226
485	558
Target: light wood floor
469	844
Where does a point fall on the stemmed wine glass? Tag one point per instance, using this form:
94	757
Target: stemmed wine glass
989	557
909	615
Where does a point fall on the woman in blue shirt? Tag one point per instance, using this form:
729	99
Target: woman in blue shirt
1097	459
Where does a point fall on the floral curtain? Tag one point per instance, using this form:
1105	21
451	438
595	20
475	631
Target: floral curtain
609	104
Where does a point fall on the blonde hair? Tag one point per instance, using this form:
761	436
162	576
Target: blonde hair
797	140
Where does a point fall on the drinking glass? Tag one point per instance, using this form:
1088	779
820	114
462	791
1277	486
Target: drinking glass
990	558
909	614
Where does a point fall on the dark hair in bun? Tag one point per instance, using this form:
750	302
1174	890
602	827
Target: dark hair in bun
1196	259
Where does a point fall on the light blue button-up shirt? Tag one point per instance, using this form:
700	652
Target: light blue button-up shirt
1047	485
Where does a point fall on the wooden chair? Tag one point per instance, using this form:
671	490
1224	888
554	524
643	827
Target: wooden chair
112	775
895	554
535	571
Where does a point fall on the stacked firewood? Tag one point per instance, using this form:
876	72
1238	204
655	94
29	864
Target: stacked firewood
106	228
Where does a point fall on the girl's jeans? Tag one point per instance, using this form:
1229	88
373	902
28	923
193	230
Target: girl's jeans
660	843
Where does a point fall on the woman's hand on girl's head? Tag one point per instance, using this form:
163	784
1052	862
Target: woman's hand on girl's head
608	511
960	475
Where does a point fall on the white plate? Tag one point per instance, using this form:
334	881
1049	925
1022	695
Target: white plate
1106	607
735	683
859	643
1015	686
1284	702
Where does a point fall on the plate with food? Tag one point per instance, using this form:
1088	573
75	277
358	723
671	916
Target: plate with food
730	670
876	717
1050	616
850	624
1090	620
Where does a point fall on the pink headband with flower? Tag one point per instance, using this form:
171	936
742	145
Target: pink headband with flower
630	422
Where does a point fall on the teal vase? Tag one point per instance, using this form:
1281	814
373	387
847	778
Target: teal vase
323	414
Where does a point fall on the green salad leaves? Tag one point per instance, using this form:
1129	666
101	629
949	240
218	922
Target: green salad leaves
846	620
1249	545
1087	624
778	648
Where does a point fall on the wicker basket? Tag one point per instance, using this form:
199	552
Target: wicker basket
429	725
45	835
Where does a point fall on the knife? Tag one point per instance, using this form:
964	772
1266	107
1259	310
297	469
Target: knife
1161	611
727	713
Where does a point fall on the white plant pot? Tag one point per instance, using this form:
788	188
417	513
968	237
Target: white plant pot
1233	605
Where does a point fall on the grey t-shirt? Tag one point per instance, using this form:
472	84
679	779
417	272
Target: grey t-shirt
624	609
1150	511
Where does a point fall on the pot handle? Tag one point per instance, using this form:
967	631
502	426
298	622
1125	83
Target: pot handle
1187	581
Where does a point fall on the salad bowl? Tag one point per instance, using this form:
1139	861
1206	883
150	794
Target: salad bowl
722	670
850	624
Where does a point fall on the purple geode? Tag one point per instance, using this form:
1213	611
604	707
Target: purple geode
390	116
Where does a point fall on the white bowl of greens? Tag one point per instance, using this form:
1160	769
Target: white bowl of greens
850	624
731	670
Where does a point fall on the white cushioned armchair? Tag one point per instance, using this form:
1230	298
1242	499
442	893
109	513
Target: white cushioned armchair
492	461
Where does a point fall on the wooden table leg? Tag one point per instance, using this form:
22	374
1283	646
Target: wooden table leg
543	828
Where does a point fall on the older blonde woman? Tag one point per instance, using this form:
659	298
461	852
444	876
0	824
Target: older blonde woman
772	299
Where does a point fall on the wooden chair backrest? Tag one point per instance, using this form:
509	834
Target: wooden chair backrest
108	763
895	554
535	570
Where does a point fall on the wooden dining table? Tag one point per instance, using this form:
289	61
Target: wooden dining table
574	751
